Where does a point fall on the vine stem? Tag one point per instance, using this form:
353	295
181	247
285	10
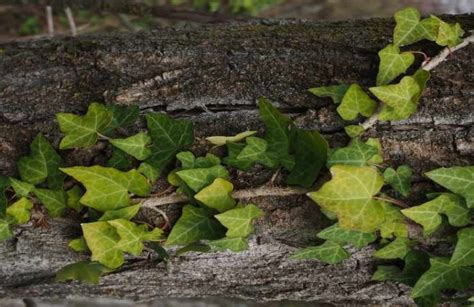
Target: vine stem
429	65
239	194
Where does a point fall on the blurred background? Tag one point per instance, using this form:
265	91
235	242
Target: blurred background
23	19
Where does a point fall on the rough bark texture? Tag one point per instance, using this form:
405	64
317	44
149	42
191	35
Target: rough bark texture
213	75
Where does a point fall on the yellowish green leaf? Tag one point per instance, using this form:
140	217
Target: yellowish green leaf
239	221
393	63
355	102
222	140
20	210
329	252
217	195
136	145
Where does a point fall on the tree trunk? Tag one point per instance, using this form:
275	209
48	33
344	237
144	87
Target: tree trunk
212	75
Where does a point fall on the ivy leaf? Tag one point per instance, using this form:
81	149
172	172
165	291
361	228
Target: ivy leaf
188	160
73	196
239	221
410	29
329	252
458	179
82	131
43	162
22	189
20	210
126	213
222	140
198	178
378	158
442	275
310	150
346	236
349	194
169	136
83	271
399	97
131	236
135	145
53	200
429	214
448	34
120	160
399	179
5	231
277	133
356	154
464	252
392	64
395	249
194	225
421	77
394	223
355	102
235	245
233	151
354	131
4	185
336	92
107	188
149	171
102	240
78	245
217	195
123	116
256	151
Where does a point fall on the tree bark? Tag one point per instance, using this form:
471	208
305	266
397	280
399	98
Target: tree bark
213	75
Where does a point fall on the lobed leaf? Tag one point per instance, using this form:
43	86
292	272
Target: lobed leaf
399	179
354	131
357	153
53	200
392	64
135	145
20	210
217	195
346	236
458	179
5	231
329	252
239	221
198	178
395	249
355	102
464	252
102	240
410	29
335	92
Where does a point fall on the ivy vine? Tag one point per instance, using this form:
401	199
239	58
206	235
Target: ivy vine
108	197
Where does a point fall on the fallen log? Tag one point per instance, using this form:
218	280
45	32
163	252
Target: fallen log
212	75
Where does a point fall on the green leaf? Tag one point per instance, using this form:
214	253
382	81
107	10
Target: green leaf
235	245
4	185
222	140
395	249
442	275
277	133
123	116
357	153
394	223
329	252
43	162
22	189
336	92
120	160
102	240
217	195
149	171
194	224
20	210
126	213
130	236
421	77
256	151
399	97
169	136
310	150
392	64
82	131
399	179
53	200
378	158
346	236
410	29
464	252
199	178
448	34
355	102
233	151
78	245
73	196
83	271
349	194
5	231
239	221
354	131
107	188
188	160
135	145
429	214
193	247
458	179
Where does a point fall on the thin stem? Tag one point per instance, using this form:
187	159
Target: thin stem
425	56
103	137
391	200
